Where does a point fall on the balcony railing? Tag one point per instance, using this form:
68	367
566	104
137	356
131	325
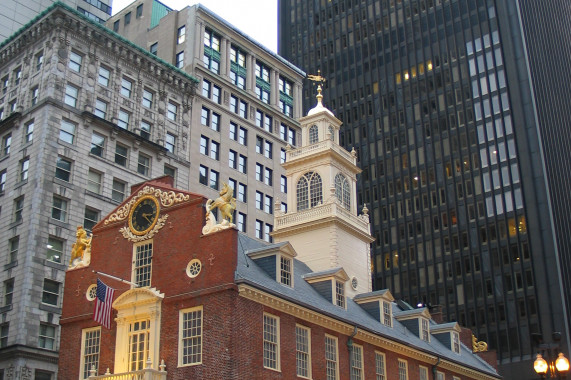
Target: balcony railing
143	374
318	147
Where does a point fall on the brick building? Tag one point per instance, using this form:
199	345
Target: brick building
221	305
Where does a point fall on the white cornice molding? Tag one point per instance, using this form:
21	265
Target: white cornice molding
333	324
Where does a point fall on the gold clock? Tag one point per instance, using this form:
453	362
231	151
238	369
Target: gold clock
144	215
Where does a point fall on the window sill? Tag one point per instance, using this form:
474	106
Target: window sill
50	308
11	265
20	184
53	264
5	157
65	183
5	309
15	224
59	223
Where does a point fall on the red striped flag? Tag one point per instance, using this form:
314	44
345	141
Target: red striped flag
103	303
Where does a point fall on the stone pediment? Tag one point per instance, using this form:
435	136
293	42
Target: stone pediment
138	297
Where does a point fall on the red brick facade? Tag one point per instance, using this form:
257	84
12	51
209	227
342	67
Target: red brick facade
232	339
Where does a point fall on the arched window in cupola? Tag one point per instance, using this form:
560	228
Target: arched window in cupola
342	190
313	135
331	133
309	191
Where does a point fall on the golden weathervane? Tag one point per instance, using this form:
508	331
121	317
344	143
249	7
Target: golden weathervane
317	78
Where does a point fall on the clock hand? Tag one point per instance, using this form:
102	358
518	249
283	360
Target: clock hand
146	216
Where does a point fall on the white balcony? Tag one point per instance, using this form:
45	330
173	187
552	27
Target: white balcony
144	374
319	147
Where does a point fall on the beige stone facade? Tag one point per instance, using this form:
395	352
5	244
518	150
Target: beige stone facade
73	143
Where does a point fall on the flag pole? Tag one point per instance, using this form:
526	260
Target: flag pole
116	278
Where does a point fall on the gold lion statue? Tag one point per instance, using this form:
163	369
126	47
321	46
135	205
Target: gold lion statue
226	203
81	246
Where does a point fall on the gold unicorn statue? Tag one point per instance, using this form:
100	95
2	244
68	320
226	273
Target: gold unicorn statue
226	203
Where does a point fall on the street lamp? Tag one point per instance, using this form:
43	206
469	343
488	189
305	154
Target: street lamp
553	368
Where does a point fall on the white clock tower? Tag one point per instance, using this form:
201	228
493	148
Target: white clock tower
322	223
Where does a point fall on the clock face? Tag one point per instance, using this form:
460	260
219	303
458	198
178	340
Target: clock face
144	215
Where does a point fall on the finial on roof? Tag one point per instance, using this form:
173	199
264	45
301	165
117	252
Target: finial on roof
321	81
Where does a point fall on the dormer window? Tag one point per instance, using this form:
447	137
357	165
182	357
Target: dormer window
387	314
313	134
340	294
424	330
285	270
455	342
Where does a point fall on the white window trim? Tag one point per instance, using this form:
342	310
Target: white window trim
279	270
180	328
426	369
336	355
134	261
308	330
406	367
361	364
278	343
384	374
82	361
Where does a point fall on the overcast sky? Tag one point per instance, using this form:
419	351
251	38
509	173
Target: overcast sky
256	18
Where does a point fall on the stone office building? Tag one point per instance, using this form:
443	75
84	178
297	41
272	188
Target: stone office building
76	131
245	114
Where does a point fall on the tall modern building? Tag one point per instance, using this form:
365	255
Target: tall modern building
459	111
245	114
17	13
73	141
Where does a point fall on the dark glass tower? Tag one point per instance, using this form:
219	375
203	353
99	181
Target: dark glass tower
460	111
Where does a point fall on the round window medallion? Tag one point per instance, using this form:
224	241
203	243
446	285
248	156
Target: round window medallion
193	268
91	292
354	283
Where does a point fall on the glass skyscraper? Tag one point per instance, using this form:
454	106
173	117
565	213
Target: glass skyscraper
459	111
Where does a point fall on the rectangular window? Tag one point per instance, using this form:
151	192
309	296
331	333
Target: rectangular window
285	270
147	98
303	351
424	329
18	209
142	264
127	19
5	82
214	176
455	342
380	367
403	370
331	354
215	124
126	87
14	245
259	229
67	131
100	108
59	209
206	88
6	143
34	92
238	67
139	11
423	373
211	58
243	136
340	294
242	192
268	204
268	176
357	363
172	110
121	154
232	159
242	164
283	184
90	346
387	314
268	233
50	294
55	250
63	169
90	218
259	200
181	34
271	342
179	59
190	336
145	130
4	331
123	119
262	82
241	222
216	91
259	171
18	75
153	49
233	131
103	77
71	95
75	61
214	150
268	149
24	168
2	181
205	116
202	177
8	291
47	336
169	170
139	334
97	144
118	190
39	60
204	142
170	142
144	164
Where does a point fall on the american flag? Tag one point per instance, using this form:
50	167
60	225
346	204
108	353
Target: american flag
103	303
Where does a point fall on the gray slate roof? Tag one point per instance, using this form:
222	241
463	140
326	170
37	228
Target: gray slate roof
303	294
